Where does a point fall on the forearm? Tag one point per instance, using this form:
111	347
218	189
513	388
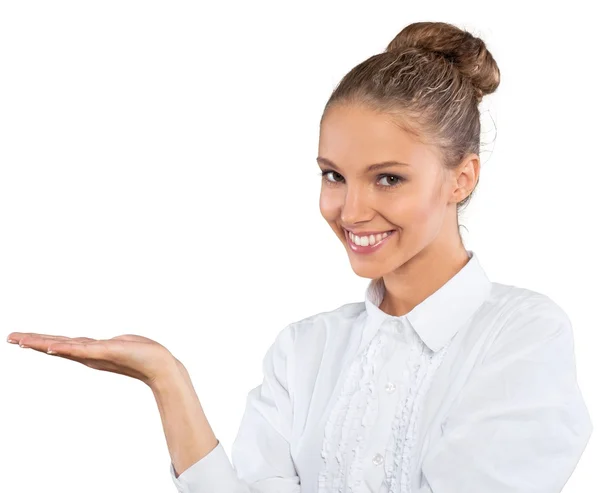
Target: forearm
187	431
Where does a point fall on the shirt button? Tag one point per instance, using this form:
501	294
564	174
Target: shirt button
377	459
390	387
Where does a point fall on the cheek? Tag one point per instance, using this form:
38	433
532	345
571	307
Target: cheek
432	211
420	209
328	205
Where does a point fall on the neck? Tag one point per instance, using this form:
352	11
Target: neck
420	277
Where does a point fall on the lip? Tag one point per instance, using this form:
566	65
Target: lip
366	233
367	249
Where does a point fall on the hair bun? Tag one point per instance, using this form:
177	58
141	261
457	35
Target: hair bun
467	52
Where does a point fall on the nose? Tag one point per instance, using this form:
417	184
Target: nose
355	208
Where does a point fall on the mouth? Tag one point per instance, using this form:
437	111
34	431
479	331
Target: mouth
375	241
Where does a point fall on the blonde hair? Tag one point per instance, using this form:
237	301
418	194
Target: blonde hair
430	79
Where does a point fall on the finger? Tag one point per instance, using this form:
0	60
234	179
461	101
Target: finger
30	339
21	335
42	343
66	356
38	344
17	337
81	350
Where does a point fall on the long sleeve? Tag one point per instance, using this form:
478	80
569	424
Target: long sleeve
520	424
262	461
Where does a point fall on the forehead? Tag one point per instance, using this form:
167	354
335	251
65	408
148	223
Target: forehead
355	136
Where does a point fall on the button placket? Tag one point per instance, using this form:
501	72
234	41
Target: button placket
390	387
377	459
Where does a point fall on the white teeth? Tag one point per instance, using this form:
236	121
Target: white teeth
368	240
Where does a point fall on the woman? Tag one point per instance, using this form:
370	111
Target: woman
441	380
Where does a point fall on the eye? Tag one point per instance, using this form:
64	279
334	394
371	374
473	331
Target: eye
393	180
326	172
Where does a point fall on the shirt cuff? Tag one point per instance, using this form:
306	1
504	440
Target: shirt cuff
214	473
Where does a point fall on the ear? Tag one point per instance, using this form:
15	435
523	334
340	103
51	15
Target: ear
466	176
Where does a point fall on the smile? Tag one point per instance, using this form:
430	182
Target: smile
367	244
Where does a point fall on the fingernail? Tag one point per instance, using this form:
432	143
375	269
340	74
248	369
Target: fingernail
51	352
23	345
12	341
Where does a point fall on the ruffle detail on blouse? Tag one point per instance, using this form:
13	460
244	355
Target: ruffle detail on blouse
353	414
416	380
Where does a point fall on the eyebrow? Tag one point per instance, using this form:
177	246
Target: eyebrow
371	167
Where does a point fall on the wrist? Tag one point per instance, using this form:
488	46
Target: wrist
172	375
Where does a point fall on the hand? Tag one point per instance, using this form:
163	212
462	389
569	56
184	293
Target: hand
132	355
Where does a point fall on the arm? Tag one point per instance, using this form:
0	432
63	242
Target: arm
520	424
187	431
262	462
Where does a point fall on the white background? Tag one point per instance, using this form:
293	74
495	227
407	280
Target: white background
158	177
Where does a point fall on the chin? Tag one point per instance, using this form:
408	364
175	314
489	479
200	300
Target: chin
369	271
366	275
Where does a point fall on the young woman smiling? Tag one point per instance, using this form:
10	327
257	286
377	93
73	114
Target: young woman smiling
440	381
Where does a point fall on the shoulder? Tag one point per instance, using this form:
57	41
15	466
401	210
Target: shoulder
322	324
515	300
522	305
303	343
527	319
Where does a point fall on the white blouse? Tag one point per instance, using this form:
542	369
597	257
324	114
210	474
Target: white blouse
474	390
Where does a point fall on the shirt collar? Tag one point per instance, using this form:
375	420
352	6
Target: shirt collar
439	316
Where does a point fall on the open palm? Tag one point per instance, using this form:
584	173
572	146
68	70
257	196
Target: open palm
132	355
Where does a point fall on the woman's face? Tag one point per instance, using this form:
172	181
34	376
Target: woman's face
415	201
